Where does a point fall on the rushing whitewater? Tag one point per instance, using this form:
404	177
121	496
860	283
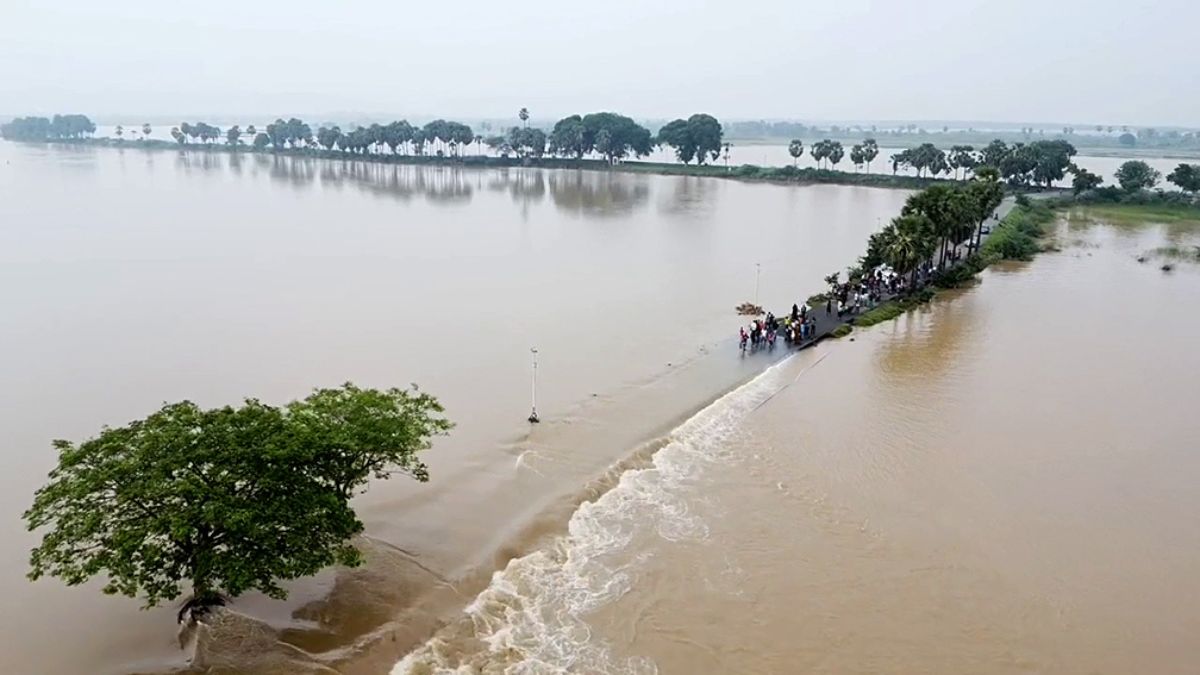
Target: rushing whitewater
530	618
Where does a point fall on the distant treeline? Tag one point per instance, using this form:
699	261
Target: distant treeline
609	135
1096	136
42	128
613	138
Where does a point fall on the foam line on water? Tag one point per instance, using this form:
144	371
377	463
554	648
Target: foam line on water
530	618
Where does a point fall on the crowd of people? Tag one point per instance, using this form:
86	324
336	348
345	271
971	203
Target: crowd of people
844	299
796	328
866	293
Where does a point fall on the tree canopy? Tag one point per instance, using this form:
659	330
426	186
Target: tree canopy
228	499
41	128
698	137
827	150
1186	177
1083	180
1137	175
925	158
615	136
567	139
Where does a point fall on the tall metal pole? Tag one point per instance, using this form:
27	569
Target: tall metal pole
533	416
757	274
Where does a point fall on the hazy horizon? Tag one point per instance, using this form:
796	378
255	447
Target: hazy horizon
1021	62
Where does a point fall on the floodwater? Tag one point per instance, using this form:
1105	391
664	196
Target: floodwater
1003	481
130	278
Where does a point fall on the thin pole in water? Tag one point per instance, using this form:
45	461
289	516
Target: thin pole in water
757	274
533	416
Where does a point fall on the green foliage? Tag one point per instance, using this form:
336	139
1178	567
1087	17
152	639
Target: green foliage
41	128
893	308
870	150
925	158
962	273
705	135
527	142
567	137
827	151
962	157
796	150
1083	180
1186	177
1137	175
1016	237
615	136
230	499
857	156
841	331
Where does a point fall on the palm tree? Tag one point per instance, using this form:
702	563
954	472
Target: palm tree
524	115
479	145
904	250
832	282
796	150
870	150
146	130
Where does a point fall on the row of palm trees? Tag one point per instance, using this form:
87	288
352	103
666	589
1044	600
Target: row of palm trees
932	225
828	153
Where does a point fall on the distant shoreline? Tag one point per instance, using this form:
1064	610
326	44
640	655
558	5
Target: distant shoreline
977	141
745	172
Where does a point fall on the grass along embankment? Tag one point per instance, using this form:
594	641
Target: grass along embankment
1139	213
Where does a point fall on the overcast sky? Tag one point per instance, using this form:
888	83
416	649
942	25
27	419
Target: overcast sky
1094	61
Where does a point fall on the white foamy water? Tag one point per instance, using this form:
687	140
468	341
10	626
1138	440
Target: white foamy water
530	619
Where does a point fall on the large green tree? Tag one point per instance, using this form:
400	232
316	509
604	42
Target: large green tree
225	500
698	137
1137	175
615	136
568	136
675	134
1083	180
707	135
1186	177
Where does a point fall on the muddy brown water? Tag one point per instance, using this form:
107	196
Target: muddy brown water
999	482
1003	481
129	278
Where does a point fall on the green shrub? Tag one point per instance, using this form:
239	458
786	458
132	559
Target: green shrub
841	331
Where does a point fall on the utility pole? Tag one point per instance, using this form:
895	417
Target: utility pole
757	274
533	416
